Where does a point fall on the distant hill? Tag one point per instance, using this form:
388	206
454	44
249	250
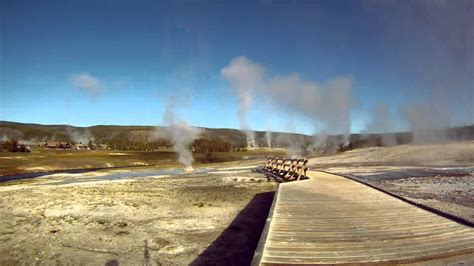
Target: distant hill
154	137
132	137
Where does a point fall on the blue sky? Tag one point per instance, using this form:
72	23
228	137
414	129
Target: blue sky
143	54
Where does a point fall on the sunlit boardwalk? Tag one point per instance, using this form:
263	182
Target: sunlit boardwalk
329	219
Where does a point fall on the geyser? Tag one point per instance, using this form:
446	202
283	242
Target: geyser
268	137
327	104
244	76
181	135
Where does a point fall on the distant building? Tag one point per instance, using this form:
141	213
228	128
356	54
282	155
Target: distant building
65	145
81	146
57	145
51	145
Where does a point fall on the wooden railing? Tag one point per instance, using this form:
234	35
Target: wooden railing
290	169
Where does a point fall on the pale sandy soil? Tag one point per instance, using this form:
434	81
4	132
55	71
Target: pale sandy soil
440	176
448	154
102	217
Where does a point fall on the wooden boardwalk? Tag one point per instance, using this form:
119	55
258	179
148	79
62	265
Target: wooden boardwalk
329	219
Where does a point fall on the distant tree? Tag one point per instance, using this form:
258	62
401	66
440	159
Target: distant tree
208	158
7	145
203	145
90	145
11	146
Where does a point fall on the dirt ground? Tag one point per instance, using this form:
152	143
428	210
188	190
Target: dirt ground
453	194
209	217
440	176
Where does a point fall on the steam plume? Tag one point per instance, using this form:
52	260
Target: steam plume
429	119
382	122
244	77
319	140
87	83
182	135
327	104
268	137
9	133
79	136
292	143
435	43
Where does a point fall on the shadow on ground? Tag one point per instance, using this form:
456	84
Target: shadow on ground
236	245
269	175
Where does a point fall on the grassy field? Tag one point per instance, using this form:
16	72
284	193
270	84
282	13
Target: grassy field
43	160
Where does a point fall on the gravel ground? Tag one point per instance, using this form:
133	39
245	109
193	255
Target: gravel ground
440	176
200	219
452	194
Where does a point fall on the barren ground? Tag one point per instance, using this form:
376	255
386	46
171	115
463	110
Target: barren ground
439	176
208	217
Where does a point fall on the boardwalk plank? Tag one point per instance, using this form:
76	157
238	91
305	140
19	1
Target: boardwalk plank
330	219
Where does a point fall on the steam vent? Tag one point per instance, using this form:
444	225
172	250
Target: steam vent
329	219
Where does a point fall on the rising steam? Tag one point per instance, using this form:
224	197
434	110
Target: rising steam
244	77
428	120
382	122
181	135
326	104
79	135
87	83
435	42
268	138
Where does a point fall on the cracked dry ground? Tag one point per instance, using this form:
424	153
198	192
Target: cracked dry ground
205	219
